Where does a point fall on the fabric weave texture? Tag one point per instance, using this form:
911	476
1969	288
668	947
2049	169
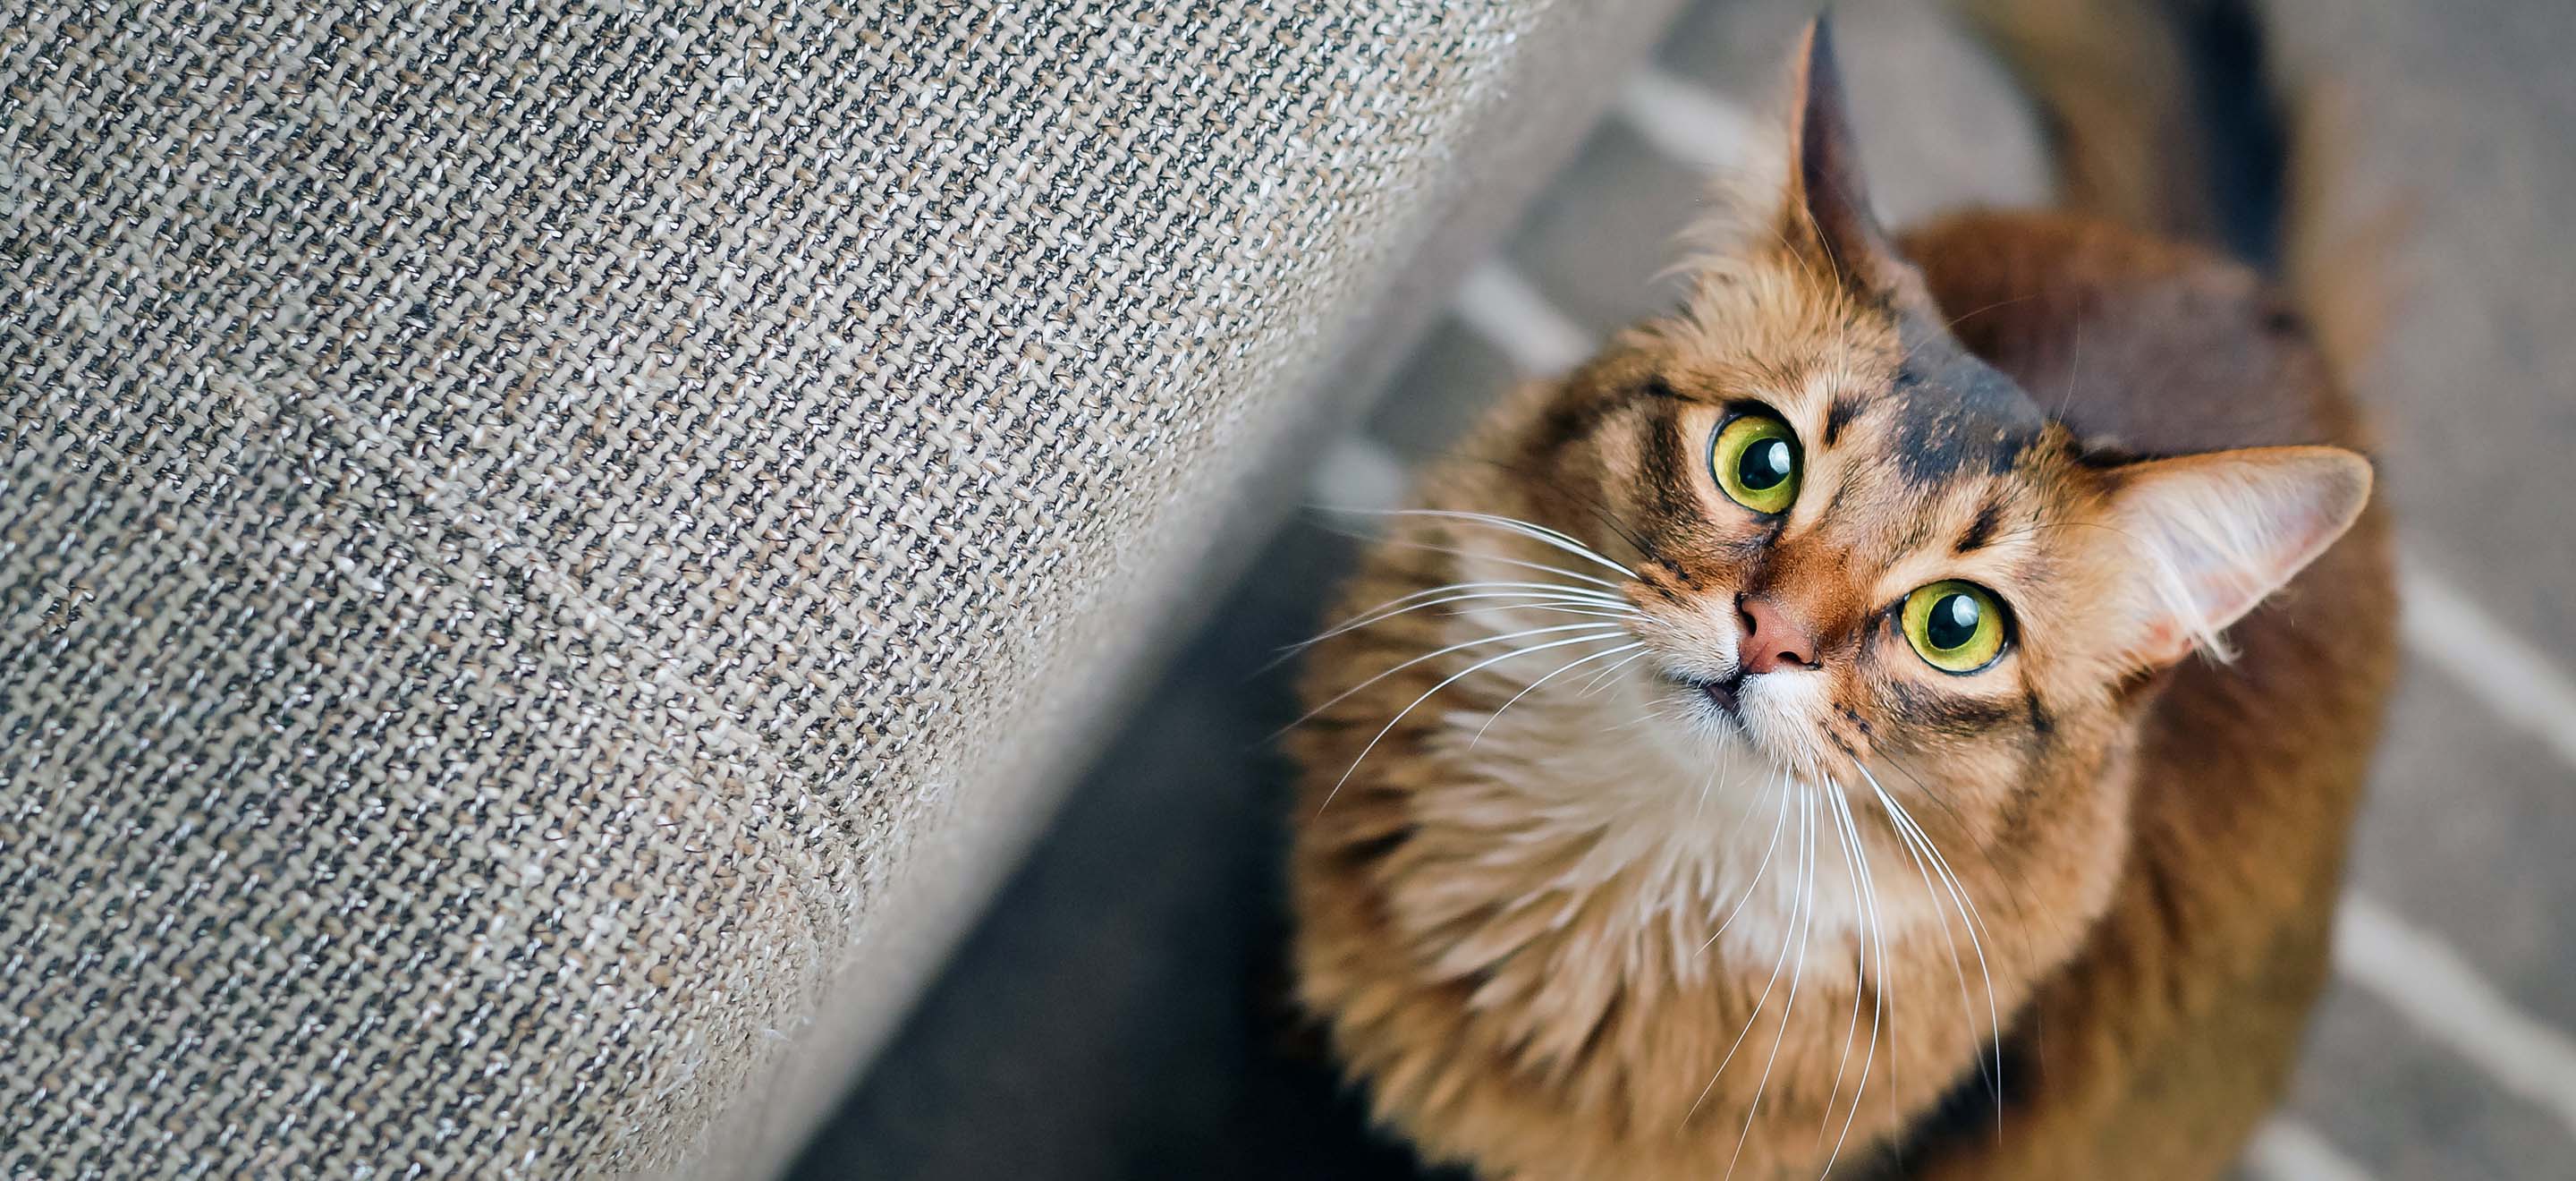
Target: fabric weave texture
540	541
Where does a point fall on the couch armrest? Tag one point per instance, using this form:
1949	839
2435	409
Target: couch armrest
547	559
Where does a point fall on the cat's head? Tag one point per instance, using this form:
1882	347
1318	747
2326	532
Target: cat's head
1854	543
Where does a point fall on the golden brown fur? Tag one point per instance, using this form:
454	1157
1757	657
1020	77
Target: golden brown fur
1540	905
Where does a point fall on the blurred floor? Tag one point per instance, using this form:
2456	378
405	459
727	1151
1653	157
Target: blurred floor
1107	1020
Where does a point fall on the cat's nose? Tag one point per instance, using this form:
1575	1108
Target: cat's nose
1773	640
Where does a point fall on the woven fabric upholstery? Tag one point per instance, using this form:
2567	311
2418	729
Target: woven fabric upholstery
541	542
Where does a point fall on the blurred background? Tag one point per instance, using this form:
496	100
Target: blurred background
1109	1018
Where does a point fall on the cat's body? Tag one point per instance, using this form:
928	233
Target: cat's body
1588	911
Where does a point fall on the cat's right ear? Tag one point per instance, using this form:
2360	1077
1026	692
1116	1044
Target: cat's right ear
1826	212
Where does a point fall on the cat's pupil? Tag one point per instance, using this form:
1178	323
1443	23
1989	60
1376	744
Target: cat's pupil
1765	464
1953	622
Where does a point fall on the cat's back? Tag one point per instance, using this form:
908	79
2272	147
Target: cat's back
2248	771
2163	347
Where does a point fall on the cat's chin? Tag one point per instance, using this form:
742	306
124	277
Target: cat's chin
1738	717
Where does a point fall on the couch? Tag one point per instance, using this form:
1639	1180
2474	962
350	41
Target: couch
550	554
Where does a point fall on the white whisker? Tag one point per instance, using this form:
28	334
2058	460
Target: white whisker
1876	940
1958	969
1555	589
1697	810
1604	631
1526	601
1533	685
1454	679
1806	926
1950	877
1716	766
1781	795
1553	608
1522	563
1532	528
1452	593
1966	902
1777	966
1535	532
1860	964
1592	686
1919	846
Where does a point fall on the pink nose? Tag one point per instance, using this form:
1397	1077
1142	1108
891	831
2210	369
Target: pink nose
1772	640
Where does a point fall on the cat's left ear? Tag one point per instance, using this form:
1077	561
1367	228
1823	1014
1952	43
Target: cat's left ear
2211	535
1827	213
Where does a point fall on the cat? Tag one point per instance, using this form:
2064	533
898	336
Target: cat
1900	712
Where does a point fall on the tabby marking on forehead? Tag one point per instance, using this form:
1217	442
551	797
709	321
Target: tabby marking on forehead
1955	413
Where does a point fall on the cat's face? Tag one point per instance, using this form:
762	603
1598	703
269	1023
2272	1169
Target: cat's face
1854	544
1867	560
1857	551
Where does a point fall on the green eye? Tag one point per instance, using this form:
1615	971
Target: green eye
1755	459
1955	626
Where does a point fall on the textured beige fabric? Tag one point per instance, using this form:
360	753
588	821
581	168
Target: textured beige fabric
540	543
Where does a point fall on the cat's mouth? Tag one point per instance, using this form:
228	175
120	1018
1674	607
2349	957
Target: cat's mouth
1723	694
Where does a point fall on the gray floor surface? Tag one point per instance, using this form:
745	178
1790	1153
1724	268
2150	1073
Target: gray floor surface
1109	1020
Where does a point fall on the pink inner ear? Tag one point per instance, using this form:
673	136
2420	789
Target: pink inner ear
2214	534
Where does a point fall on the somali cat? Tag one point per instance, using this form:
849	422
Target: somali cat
1787	742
